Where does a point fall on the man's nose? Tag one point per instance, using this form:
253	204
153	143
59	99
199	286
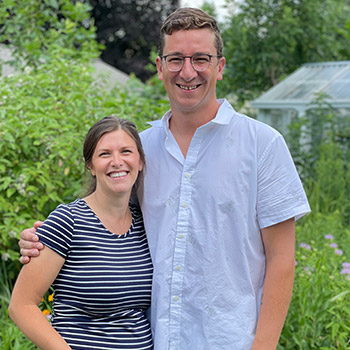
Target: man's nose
187	72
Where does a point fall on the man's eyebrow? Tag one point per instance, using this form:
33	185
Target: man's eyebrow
174	53
181	54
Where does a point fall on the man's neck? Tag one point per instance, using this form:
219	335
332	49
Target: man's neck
184	125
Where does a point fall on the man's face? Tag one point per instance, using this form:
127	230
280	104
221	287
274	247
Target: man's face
191	91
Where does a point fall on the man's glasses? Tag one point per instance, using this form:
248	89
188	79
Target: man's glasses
200	62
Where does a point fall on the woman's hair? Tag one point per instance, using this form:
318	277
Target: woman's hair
104	126
188	18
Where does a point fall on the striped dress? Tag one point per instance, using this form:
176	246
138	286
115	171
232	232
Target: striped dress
104	287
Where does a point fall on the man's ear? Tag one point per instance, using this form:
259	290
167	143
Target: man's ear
221	66
159	68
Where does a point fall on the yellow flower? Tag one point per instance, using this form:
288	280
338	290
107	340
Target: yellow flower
46	312
50	298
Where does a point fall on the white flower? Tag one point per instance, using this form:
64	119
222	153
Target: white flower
28	69
5	256
12	234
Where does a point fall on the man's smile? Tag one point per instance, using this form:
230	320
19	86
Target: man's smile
188	87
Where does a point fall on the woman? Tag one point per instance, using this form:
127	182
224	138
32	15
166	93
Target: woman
96	256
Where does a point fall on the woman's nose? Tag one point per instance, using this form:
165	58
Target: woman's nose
117	160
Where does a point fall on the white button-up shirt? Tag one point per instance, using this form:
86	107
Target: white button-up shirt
203	216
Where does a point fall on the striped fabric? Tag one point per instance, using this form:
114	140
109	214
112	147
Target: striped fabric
104	286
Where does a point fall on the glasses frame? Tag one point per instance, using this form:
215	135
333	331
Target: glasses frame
191	59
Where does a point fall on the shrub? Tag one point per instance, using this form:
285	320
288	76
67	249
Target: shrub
319	312
45	114
46	110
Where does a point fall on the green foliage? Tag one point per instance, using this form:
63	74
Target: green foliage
37	29
45	113
209	7
319	311
320	144
268	39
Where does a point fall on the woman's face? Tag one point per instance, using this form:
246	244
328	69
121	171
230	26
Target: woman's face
115	163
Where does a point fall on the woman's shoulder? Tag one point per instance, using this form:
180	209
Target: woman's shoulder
73	207
136	211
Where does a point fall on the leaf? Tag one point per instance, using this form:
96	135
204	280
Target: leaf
10	191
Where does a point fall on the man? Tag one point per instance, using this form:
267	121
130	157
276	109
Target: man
221	194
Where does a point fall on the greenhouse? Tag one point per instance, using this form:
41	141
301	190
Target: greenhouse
297	93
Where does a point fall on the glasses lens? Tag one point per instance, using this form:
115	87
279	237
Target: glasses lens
174	63
200	62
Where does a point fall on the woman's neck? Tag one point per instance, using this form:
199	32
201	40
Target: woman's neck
113	212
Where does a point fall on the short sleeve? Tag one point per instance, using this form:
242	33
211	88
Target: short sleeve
57	230
281	195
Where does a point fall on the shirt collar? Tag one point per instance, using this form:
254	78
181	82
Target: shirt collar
223	116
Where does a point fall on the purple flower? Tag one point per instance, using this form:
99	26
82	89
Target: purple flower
345	271
304	245
333	245
346	265
328	236
338	252
308	270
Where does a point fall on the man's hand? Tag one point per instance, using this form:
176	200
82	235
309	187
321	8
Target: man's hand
29	243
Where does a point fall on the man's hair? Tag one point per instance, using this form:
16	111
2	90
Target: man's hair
187	18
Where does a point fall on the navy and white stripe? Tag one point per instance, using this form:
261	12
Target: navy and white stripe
104	286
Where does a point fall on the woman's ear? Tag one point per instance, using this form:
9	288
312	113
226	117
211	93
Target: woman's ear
90	168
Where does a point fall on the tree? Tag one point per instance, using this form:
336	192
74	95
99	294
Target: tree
209	7
129	30
35	29
268	39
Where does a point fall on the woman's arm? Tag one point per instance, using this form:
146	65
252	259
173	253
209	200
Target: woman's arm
32	283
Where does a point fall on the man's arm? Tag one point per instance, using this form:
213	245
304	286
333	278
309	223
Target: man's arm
29	243
279	244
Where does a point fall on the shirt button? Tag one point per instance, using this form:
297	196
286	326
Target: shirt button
181	235
176	298
178	267
188	175
184	205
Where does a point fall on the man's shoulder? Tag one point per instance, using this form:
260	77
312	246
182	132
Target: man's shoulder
241	122
151	133
252	128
